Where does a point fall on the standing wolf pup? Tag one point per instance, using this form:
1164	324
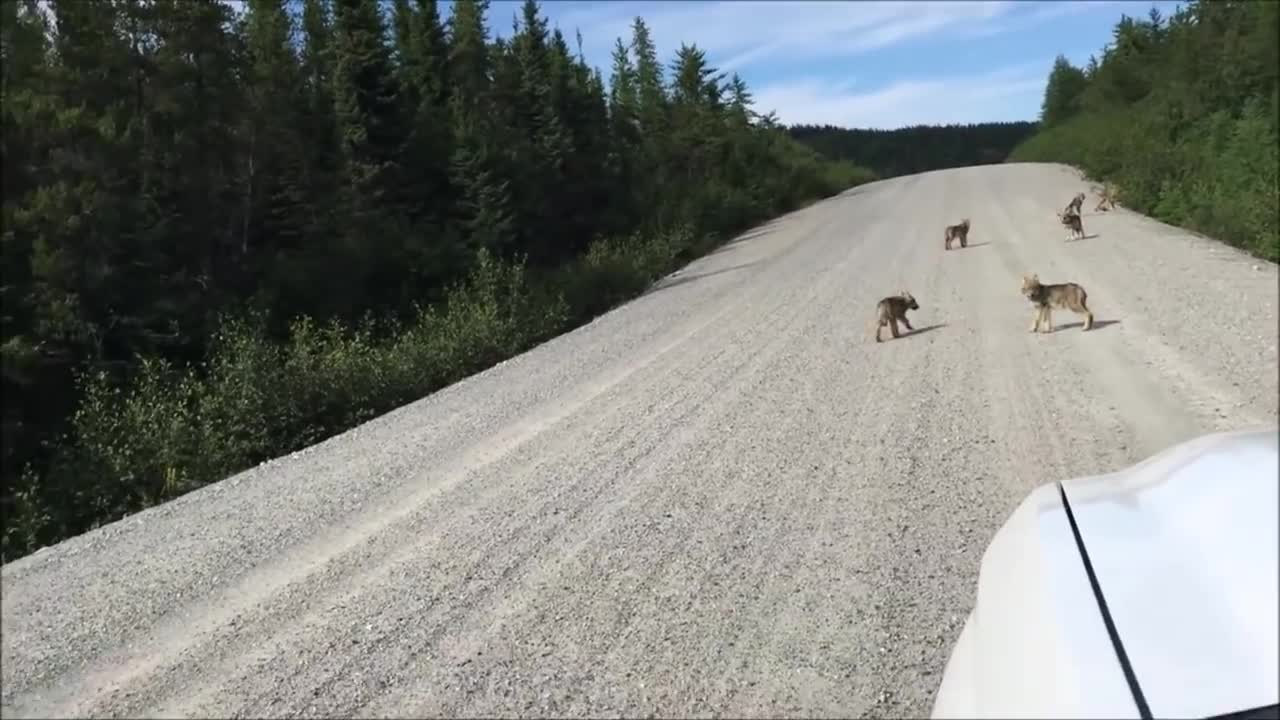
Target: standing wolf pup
1046	297
1072	221
892	310
956	232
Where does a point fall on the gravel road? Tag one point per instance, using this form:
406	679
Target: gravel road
720	499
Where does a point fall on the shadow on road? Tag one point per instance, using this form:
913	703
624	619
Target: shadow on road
1083	237
1097	325
970	246
924	329
682	279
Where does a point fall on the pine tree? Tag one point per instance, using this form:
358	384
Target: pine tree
433	251
623	101
484	205
649	85
368	118
1062	93
402	21
275	219
190	185
429	52
78	223
739	101
319	125
468	58
24	65
541	141
484	209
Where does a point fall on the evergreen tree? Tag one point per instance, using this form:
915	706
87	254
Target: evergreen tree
468	57
1062	94
649	85
434	251
485	208
368	118
275	192
31	410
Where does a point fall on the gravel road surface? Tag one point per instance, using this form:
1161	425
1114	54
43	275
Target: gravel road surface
720	499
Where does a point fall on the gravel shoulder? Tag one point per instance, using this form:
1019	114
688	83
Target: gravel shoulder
719	499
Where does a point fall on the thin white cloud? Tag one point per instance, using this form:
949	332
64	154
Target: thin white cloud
1001	95
739	34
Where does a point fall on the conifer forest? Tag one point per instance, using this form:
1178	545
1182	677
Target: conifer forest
231	232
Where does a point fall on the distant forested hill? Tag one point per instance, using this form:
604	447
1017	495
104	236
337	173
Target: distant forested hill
916	149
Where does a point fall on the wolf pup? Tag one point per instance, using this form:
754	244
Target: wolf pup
892	310
956	232
1072	222
1046	297
1106	199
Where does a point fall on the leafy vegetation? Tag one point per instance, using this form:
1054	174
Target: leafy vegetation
1180	114
890	153
229	236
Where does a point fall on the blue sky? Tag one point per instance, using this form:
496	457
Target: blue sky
862	64
859	63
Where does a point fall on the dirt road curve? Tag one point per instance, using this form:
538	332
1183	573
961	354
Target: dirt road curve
722	498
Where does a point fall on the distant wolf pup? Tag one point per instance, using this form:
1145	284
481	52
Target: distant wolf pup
1073	207
957	232
1106	199
892	310
1046	297
1072	221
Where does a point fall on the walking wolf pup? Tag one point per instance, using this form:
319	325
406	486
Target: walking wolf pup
892	310
1046	297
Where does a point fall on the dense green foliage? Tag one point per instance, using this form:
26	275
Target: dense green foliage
226	237
1181	115
890	153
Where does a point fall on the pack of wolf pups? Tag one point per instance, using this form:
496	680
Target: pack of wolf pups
893	310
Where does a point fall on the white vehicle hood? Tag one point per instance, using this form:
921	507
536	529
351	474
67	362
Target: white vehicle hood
1185	550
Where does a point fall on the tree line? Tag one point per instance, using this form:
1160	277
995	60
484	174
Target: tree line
228	235
1180	115
919	148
